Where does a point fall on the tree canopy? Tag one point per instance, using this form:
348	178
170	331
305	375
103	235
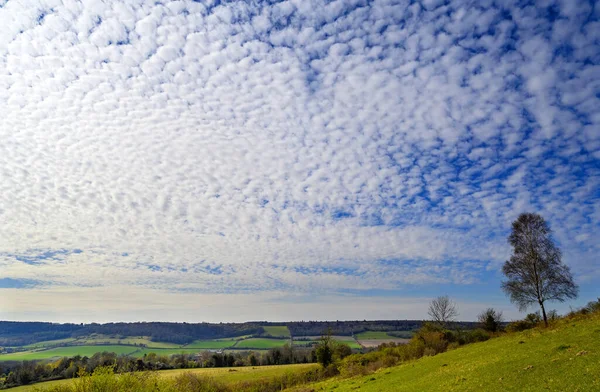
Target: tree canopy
535	272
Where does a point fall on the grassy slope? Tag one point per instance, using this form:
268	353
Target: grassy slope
547	360
228	375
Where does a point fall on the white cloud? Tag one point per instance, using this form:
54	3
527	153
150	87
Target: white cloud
259	140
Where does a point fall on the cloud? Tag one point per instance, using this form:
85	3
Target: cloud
308	146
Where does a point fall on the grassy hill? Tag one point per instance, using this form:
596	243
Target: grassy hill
564	357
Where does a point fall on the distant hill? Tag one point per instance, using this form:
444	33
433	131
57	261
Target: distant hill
14	333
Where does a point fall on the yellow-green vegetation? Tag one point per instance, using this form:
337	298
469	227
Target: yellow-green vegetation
565	356
276	331
68	351
229	377
260	343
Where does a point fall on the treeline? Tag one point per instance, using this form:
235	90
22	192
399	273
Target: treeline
29	372
24	333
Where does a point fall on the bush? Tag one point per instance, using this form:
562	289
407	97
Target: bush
519	325
478	335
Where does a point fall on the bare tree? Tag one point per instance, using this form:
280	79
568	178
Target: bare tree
535	272
443	310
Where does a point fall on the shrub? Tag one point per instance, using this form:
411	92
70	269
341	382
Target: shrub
478	335
519	325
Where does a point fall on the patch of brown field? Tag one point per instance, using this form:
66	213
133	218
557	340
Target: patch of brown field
377	342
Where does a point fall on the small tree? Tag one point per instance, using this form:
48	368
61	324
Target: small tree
443	311
490	319
324	350
535	272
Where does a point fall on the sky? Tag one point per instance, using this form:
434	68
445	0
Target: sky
295	160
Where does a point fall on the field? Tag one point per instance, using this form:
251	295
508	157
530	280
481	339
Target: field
375	338
563	358
260	343
276	331
50	343
211	344
69	351
229	375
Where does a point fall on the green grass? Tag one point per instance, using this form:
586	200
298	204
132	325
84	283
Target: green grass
228	375
211	344
565	357
49	343
69	351
260	343
276	331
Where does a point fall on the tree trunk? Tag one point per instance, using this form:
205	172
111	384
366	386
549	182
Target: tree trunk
544	314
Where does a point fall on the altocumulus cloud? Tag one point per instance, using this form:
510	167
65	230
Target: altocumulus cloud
253	149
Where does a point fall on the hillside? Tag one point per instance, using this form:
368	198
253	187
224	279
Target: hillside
564	357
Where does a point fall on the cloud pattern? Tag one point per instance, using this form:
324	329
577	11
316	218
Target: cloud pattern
243	147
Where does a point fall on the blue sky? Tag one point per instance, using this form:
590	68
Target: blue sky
217	161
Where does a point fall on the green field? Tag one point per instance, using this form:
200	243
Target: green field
372	335
69	351
211	344
228	375
563	358
276	331
99	339
49	343
260	343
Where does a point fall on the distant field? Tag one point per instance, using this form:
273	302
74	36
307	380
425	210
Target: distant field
49	343
228	375
69	351
373	335
166	351
126	341
276	331
211	344
260	343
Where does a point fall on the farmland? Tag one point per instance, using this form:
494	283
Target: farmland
259	343
68	351
375	338
276	331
